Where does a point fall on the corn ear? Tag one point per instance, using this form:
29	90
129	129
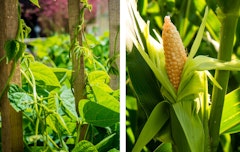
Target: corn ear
175	55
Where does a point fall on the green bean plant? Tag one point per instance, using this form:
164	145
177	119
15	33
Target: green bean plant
50	118
173	88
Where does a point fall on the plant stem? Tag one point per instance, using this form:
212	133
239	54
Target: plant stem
206	114
229	23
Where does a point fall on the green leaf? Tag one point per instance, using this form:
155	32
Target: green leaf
84	146
187	126
100	79
230	122
68	104
55	121
164	147
35	2
97	114
18	98
198	38
22	48
131	103
52	101
105	99
148	90
155	122
105	143
186	89
43	73
11	47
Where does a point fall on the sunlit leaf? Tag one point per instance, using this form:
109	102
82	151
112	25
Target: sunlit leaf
84	146
44	74
35	2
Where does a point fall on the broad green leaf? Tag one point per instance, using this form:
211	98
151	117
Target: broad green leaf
230	122
155	122
105	99
100	79
188	127
97	114
84	146
68	104
35	2
44	74
19	99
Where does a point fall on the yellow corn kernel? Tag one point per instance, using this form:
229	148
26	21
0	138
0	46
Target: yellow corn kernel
175	55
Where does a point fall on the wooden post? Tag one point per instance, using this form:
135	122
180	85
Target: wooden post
12	133
114	27
78	74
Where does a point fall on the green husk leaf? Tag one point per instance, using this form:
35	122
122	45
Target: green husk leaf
186	89
198	38
155	122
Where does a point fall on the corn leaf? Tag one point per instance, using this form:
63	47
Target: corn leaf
143	80
155	122
190	124
230	122
198	38
164	147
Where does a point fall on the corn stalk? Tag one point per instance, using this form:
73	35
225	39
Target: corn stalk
228	16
